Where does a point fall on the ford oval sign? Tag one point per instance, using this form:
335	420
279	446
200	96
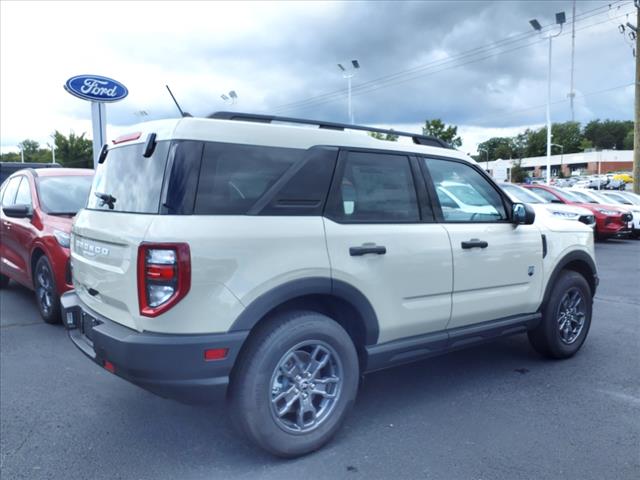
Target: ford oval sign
96	88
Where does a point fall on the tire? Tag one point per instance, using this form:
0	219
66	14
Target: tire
4	281
569	306
47	297
260	387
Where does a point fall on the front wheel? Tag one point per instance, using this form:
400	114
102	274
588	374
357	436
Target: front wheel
566	317
294	383
46	296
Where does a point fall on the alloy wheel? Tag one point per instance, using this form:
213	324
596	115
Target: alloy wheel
571	315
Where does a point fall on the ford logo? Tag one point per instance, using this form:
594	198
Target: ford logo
96	88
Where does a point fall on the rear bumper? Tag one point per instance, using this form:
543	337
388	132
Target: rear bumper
172	366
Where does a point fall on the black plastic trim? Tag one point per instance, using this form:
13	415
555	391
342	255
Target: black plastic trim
576	255
407	350
265	303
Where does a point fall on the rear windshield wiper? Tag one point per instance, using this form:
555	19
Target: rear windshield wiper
107	199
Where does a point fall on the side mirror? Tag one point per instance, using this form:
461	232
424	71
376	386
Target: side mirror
18	211
522	214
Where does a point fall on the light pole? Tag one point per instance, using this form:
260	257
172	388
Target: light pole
348	73
486	151
21	153
560	19
53	148
561	147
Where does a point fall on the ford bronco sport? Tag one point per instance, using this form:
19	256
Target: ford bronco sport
285	258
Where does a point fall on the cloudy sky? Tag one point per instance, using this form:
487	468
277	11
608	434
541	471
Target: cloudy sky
475	64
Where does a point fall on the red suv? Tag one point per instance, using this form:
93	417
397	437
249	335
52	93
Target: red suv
38	206
610	220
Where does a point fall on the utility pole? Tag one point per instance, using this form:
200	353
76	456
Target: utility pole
572	94
636	124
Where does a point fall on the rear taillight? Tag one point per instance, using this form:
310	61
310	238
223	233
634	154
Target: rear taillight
164	276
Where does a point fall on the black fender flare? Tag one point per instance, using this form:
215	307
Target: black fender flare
575	256
294	289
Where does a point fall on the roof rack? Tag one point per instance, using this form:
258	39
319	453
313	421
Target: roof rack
255	117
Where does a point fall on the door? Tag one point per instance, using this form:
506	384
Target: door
497	266
10	262
382	240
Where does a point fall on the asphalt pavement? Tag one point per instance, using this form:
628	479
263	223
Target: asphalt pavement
496	411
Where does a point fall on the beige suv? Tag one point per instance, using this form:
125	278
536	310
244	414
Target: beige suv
285	258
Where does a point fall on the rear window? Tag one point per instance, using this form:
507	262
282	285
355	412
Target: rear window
64	194
234	177
129	182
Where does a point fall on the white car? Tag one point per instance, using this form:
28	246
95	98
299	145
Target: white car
542	206
283	262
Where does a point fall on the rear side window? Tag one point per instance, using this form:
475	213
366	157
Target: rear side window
129	182
374	188
234	177
23	197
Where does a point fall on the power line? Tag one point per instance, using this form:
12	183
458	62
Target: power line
422	70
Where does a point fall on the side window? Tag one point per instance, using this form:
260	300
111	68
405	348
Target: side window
23	196
375	188
464	194
233	177
10	192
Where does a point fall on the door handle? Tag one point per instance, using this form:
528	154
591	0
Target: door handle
365	249
474	242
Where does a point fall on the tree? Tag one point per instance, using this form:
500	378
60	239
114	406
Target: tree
628	140
607	134
498	147
518	174
389	137
437	128
74	151
568	135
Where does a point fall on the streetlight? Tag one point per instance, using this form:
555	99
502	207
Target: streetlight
53	147
561	147
21	152
560	20
486	151
231	98
348	73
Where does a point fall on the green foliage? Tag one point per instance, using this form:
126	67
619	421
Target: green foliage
607	134
437	128
518	174
597	134
389	137
72	151
628	140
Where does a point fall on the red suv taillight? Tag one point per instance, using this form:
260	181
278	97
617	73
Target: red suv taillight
164	276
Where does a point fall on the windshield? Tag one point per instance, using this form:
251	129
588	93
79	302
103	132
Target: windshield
572	197
584	197
522	194
64	194
618	198
129	182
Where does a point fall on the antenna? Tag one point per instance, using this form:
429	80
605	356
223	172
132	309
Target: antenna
182	114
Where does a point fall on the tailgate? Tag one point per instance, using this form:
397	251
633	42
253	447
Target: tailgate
103	260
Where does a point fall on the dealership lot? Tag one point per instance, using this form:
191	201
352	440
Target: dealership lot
494	411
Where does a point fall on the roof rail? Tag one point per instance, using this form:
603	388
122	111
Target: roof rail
255	117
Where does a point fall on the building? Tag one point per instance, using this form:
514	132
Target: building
583	163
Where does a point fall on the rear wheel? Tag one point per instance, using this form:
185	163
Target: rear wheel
294	383
566	317
45	288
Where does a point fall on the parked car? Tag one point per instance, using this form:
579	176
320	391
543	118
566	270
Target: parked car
543	206
9	168
605	198
610	221
285	262
38	206
624	177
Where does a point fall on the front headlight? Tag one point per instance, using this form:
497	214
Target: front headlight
63	238
566	215
609	212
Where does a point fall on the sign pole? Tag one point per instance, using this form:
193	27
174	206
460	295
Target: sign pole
99	123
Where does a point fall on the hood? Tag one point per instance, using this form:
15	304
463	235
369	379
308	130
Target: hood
547	221
563	207
57	222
